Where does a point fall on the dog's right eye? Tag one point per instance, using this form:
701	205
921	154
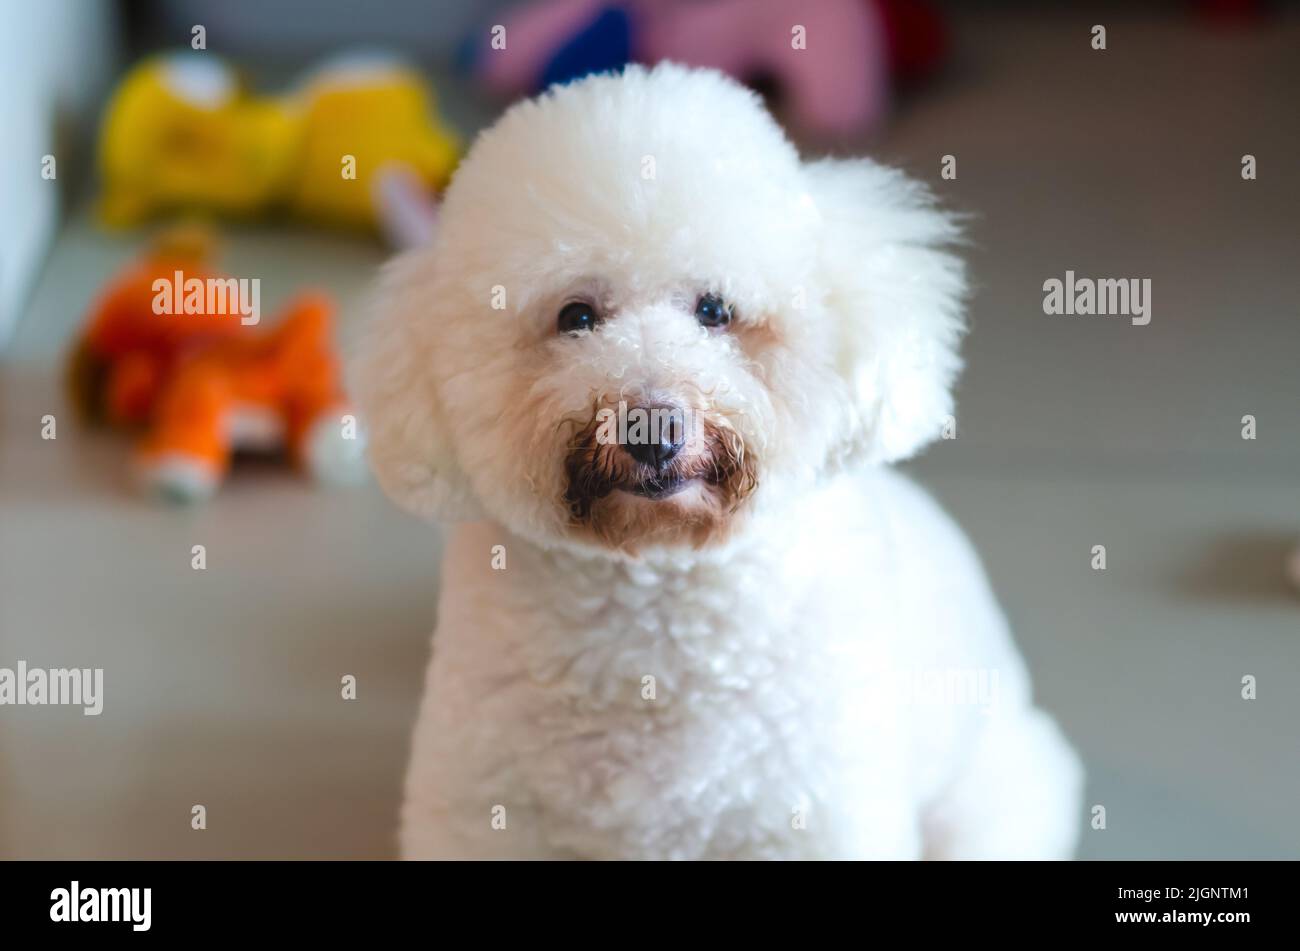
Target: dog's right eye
576	317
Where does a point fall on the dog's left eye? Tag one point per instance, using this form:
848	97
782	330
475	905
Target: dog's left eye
576	317
712	311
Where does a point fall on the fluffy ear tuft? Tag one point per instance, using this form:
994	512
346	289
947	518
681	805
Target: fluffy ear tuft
394	381
898	297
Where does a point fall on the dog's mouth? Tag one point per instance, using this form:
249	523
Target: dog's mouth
659	486
715	463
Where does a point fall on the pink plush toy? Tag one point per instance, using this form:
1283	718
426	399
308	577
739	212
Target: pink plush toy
832	79
830	60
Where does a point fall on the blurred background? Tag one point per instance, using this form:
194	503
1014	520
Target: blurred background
222	685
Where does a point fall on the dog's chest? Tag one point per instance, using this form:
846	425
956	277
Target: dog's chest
716	711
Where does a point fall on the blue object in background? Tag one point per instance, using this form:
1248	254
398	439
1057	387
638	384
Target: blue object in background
468	52
604	45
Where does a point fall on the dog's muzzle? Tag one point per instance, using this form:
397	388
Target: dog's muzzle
655	450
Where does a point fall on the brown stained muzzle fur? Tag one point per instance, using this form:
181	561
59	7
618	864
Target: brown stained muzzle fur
597	468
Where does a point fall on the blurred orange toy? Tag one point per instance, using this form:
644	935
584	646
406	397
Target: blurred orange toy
200	382
183	133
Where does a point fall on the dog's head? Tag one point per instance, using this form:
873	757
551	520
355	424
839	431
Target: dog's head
643	314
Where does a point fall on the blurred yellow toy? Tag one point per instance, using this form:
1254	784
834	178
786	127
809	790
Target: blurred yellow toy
183	133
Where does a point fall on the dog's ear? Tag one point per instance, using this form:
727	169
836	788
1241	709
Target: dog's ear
394	380
896	296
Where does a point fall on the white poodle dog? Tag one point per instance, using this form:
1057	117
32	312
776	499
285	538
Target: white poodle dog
653	366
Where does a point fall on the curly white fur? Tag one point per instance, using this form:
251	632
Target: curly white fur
803	662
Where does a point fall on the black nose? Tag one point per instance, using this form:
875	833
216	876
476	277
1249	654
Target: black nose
654	434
